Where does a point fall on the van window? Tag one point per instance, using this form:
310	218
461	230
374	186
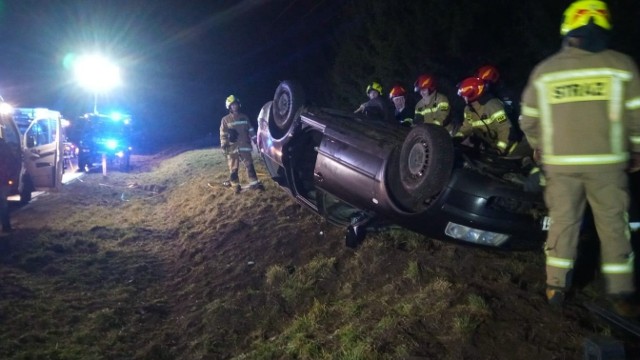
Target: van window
41	133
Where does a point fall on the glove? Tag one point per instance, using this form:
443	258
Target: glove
225	149
406	122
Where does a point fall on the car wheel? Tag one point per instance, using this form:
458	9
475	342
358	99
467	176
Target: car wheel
289	97
424	165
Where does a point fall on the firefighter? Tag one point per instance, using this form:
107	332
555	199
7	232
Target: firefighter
581	111
491	77
374	90
404	113
484	118
236	136
377	107
433	107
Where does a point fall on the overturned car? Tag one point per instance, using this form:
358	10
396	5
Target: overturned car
366	174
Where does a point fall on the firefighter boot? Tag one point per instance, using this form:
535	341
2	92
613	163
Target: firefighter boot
257	186
555	297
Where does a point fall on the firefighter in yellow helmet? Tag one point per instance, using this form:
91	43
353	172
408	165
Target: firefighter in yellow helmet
433	107
374	90
377	108
581	110
484	117
236	136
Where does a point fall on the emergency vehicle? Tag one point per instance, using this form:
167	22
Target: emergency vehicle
100	136
34	147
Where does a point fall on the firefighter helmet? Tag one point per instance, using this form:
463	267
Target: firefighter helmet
488	73
470	89
397	91
374	86
230	100
582	12
425	81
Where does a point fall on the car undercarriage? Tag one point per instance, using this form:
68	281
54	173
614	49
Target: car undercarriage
367	175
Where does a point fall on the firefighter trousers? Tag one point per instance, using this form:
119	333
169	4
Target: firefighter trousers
233	160
607	193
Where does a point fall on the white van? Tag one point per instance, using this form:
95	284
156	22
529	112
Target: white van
36	154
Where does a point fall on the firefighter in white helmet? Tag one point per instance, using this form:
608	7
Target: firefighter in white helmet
236	136
581	110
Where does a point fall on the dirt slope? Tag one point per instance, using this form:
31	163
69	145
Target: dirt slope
156	265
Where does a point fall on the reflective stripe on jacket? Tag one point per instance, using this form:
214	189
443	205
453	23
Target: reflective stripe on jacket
435	111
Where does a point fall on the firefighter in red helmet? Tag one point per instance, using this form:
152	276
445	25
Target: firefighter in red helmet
484	117
493	81
434	107
404	113
581	109
488	73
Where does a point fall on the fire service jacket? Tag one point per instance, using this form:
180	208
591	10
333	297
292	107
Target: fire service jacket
433	111
584	118
236	131
487	121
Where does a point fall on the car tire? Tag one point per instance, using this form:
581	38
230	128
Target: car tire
423	164
288	99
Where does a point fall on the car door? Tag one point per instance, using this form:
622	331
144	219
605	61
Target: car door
42	148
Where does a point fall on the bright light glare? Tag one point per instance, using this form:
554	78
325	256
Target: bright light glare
6	108
96	73
111	144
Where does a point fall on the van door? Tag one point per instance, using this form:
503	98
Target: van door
43	152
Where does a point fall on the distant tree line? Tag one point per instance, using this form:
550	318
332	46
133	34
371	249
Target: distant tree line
394	41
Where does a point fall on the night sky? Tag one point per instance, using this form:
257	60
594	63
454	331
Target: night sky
179	59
